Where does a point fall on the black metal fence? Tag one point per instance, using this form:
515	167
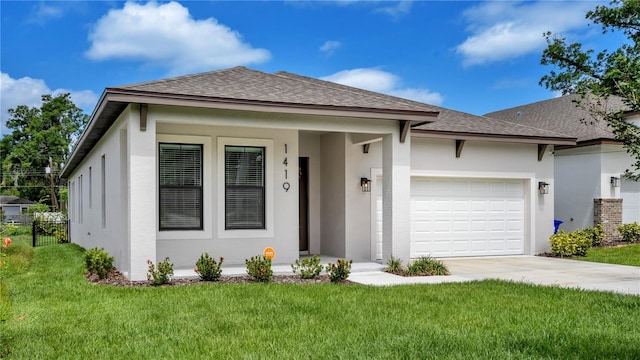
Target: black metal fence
48	232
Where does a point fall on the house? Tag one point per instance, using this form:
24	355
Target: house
233	161
12	207
590	186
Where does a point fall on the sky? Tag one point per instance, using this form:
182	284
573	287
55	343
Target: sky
470	56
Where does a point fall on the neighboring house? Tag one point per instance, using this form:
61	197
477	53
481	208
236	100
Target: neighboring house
12	207
590	187
233	161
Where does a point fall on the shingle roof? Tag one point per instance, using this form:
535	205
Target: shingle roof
240	88
240	83
14	200
456	121
561	115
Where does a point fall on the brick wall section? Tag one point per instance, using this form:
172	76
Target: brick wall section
608	212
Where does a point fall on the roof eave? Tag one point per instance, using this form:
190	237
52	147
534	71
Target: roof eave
122	97
143	97
525	139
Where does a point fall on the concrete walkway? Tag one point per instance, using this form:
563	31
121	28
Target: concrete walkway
529	269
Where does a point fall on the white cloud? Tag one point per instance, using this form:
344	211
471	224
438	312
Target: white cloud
166	35
29	91
505	30
383	82
330	46
398	10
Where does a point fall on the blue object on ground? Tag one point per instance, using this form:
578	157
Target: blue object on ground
556	225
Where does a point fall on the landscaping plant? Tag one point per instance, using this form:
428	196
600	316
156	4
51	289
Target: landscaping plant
339	271
630	232
596	234
427	266
259	268
308	267
208	268
162	275
98	262
575	243
394	266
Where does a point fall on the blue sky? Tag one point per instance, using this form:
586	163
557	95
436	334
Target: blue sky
469	56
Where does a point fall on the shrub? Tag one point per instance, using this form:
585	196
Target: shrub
427	266
162	275
596	234
630	232
394	266
61	236
339	271
307	268
208	268
98	262
575	243
259	268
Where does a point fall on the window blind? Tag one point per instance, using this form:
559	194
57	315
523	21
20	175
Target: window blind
244	187
180	178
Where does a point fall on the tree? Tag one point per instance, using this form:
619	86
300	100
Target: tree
39	136
603	76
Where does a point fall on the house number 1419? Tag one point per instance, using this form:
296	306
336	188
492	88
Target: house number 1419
286	184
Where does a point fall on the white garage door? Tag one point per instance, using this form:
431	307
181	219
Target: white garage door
630	194
462	217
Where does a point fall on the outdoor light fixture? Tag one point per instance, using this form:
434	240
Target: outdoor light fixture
615	181
543	187
365	185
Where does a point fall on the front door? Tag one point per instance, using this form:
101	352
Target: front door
303	183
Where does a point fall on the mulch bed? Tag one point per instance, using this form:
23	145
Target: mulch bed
115	278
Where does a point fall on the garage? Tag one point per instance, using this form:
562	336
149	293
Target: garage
453	217
630	194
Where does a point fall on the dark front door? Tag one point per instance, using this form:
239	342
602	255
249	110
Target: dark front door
303	183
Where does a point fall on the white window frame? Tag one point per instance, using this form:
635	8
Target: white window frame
207	186
269	193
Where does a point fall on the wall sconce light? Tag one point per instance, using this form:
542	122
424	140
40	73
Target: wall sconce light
543	188
365	185
615	181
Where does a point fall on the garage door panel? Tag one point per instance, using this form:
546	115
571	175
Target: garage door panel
464	217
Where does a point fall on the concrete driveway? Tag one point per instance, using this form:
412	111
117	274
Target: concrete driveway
529	269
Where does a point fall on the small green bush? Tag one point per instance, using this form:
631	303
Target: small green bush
61	236
596	234
339	271
208	268
630	232
575	243
427	266
162	275
394	266
98	262
307	268
259	268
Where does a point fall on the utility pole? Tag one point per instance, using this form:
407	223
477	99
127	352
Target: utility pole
54	200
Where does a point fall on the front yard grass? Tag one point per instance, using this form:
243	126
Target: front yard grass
57	314
621	255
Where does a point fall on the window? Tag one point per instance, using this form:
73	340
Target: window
90	188
72	201
80	200
103	191
180	176
244	175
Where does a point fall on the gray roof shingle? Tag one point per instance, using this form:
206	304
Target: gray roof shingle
240	83
456	121
562	115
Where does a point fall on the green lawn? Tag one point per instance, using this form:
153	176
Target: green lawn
56	314
621	255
